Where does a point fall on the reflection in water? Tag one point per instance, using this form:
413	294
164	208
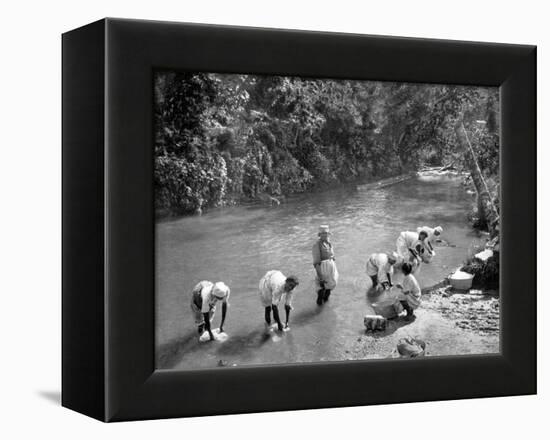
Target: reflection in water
238	245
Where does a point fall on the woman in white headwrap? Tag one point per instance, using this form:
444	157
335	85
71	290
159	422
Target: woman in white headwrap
380	268
410	246
204	297
433	234
323	262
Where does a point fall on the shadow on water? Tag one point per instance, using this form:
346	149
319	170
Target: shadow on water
171	353
244	345
306	316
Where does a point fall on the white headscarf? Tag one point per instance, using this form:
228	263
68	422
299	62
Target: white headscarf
221	290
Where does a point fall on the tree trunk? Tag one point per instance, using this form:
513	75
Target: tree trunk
487	209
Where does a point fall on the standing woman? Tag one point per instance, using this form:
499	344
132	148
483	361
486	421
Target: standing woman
325	267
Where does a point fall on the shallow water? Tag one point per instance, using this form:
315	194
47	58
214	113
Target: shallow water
238	245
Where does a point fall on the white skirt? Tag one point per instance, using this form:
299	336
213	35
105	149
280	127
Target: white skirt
329	273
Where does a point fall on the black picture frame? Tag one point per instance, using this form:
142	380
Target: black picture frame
108	297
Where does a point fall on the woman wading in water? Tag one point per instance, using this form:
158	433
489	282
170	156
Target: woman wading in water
323	262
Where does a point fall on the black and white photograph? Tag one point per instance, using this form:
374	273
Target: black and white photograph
275	220
305	220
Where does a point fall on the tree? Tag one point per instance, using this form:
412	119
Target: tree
487	210
273	135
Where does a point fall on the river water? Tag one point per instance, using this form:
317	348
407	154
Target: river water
238	245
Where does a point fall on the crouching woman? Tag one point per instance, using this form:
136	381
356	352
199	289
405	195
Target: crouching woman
410	291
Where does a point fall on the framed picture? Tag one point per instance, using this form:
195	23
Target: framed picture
260	220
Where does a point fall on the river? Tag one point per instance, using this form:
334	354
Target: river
238	245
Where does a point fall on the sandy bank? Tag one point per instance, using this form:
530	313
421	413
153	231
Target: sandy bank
451	323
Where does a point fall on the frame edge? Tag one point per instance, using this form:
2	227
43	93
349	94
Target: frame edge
83	350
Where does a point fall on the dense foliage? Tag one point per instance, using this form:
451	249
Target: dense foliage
223	139
486	274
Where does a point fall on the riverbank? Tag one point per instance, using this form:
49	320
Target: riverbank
450	322
276	199
443	335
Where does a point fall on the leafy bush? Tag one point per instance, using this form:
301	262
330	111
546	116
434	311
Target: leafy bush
221	138
486	274
184	187
289	176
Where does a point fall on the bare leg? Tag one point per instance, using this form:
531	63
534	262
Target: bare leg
276	317
268	315
287	310
321	294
